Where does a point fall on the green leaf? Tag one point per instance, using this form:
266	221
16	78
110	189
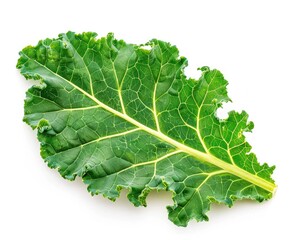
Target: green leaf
120	115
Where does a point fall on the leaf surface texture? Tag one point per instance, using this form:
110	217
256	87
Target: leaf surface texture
122	115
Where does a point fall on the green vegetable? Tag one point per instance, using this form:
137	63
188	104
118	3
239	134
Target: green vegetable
121	116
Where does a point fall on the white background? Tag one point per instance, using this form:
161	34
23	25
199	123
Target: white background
254	43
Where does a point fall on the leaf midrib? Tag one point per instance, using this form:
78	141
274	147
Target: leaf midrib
205	157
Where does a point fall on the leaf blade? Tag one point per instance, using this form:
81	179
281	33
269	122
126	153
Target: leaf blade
182	128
